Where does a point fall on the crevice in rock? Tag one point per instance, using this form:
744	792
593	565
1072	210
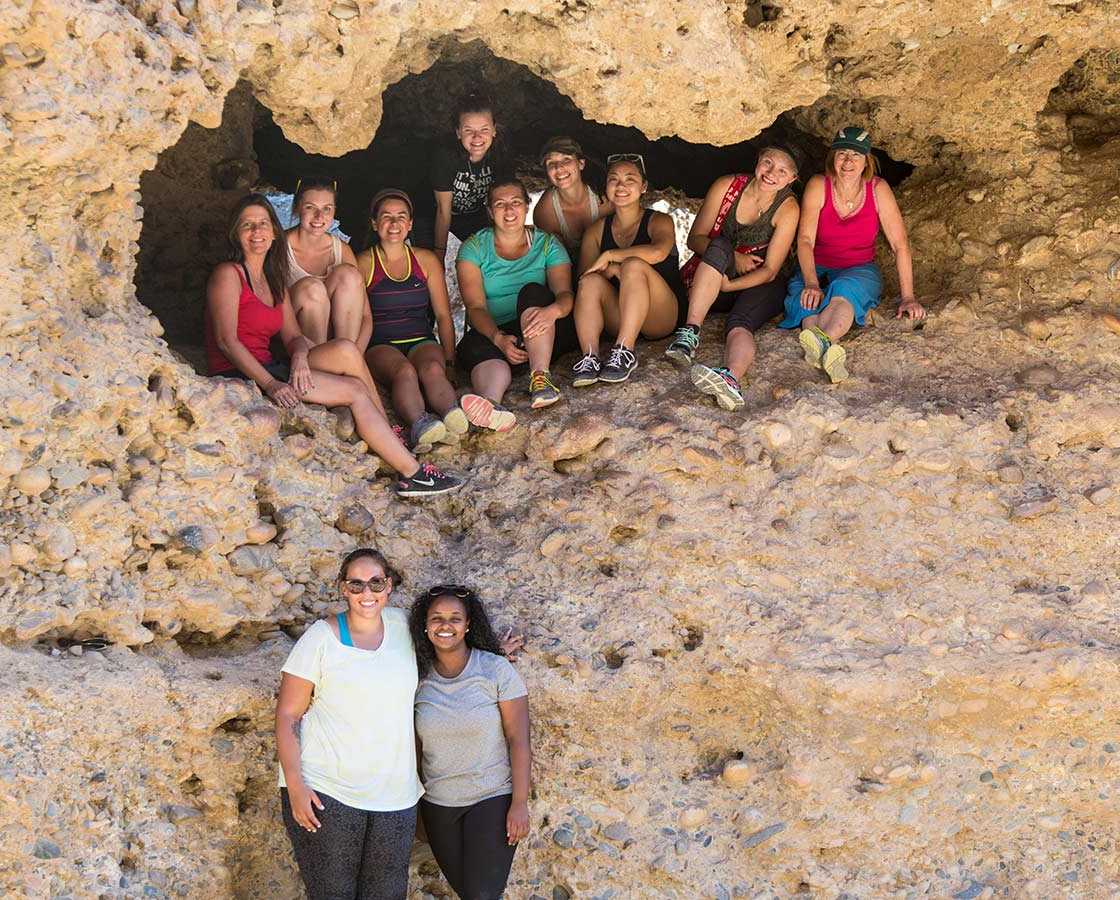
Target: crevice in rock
1087	98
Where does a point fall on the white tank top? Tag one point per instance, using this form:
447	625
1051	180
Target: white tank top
569	239
296	272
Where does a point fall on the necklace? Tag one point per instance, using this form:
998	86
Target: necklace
850	204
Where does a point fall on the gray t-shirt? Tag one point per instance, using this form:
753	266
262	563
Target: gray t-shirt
465	756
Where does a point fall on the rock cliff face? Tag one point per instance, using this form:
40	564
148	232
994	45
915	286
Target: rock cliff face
858	641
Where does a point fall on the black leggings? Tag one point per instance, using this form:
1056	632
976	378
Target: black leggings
476	348
469	843
356	854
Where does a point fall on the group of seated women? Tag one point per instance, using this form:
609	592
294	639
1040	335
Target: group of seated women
382	317
368	693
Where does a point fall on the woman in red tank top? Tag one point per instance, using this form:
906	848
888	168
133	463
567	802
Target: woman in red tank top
247	305
838	281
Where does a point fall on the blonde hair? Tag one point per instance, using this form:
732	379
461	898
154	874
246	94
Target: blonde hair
870	170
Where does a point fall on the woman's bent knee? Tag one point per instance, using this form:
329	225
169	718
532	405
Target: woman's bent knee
346	274
309	292
632	267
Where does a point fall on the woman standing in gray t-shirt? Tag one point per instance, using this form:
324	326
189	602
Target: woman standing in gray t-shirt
472	726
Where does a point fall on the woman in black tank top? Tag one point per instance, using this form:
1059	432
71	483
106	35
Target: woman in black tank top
631	281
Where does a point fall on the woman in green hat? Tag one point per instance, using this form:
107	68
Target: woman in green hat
838	282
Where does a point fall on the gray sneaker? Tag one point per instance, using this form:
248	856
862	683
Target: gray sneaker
620	364
586	372
719	383
683	346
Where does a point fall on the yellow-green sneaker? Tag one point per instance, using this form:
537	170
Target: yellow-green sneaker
833	363
815	343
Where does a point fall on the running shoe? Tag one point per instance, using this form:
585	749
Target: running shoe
542	392
620	364
814	342
718	382
683	346
484	413
833	363
427	481
586	372
427	430
456	422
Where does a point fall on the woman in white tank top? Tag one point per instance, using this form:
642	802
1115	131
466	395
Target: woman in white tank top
328	296
570	206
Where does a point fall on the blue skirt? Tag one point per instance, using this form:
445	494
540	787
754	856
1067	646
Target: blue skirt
859	285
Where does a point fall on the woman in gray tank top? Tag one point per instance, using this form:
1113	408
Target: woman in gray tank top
744	268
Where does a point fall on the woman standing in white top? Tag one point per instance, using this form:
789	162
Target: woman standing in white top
328	294
344	735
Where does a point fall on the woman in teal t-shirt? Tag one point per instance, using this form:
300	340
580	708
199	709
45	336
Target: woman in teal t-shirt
516	283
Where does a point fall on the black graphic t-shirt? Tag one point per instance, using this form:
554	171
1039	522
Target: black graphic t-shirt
467	181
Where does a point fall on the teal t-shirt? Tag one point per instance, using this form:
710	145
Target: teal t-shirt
503	279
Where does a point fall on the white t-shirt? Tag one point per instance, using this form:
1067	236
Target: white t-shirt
357	743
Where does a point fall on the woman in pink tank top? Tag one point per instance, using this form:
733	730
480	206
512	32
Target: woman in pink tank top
247	304
838	281
328	295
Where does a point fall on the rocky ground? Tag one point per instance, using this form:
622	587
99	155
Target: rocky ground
854	641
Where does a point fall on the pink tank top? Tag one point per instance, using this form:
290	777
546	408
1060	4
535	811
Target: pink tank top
256	325
850	241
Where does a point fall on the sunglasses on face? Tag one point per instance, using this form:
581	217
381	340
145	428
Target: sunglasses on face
636	158
356	586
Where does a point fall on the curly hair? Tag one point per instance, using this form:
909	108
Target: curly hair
480	636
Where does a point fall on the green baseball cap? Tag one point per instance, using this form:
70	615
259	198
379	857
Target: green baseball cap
852	138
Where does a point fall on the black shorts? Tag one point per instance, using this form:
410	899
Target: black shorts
278	370
751	308
406	346
476	348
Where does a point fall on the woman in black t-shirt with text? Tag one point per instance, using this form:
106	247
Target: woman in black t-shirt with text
461	175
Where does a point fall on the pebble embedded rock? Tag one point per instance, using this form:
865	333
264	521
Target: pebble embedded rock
33	480
738	773
354	520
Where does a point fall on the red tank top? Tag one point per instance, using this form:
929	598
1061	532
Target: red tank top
256	326
842	243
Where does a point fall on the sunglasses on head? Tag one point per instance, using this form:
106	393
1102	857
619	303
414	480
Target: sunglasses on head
358	586
628	157
449	590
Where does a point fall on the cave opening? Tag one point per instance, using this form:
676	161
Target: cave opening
1086	100
188	195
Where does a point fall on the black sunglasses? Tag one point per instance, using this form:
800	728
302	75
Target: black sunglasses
374	585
